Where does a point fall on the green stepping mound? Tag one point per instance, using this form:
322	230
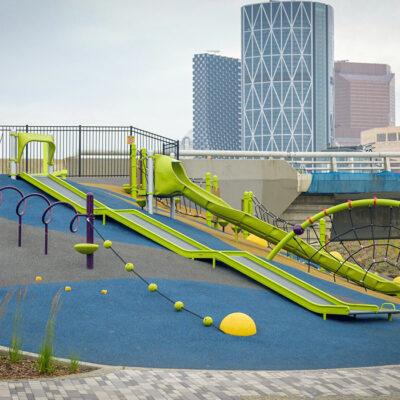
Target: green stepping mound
86	248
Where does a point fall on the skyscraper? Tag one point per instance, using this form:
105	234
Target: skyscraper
216	102
287	76
364	99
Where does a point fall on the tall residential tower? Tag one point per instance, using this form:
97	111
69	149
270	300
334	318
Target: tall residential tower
287	76
216	102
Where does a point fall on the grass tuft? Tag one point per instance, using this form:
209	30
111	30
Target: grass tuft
14	351
46	354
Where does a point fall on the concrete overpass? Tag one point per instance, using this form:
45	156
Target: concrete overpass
297	185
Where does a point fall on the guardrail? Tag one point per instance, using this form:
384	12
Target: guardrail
312	161
89	151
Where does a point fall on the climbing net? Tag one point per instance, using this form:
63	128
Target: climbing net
366	234
262	212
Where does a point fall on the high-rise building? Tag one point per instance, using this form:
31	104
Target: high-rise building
364	99
216	102
287	76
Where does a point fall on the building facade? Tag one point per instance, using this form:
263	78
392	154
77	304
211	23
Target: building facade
287	76
364	99
216	102
382	139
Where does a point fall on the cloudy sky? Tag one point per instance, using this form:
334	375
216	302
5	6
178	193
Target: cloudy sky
130	61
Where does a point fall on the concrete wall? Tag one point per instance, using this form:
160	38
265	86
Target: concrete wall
274	182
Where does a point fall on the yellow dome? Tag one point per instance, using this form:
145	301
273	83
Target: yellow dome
238	324
337	255
257	240
397	280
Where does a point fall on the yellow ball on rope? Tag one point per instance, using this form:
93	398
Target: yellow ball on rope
179	305
129	267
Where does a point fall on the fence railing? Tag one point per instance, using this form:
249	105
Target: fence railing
313	161
86	151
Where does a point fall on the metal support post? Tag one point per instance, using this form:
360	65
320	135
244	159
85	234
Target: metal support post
89	228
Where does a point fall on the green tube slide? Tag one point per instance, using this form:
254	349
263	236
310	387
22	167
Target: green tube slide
172	180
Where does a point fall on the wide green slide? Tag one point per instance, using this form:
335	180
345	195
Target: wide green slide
267	274
171	179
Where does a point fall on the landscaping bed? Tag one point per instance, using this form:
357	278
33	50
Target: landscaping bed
27	368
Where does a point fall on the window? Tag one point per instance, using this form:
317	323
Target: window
392	137
381	137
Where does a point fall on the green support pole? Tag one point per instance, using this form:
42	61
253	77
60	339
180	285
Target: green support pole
322	232
143	157
45	159
133	171
215	189
246	209
208	189
251	205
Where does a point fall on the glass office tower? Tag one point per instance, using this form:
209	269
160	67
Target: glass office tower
287	76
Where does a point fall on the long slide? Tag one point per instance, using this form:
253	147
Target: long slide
272	277
171	179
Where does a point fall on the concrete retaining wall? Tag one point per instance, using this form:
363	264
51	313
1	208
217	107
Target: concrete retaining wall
274	182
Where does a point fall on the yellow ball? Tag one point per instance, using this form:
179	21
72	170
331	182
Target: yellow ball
103	291
107	244
67	288
238	324
207	321
129	267
38	278
152	287
179	305
397	280
257	240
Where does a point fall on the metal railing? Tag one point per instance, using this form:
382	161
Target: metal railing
86	151
312	161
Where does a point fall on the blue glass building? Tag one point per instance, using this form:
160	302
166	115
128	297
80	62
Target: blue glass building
287	76
216	102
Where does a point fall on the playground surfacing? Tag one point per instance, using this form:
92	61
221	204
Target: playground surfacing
130	326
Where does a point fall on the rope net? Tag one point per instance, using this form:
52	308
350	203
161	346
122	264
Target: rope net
368	237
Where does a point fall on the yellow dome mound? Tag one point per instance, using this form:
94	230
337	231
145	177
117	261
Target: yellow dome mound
397	280
238	324
257	240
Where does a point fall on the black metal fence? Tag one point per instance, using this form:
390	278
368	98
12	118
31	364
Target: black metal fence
86	151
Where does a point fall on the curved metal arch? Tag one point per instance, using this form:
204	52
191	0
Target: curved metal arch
330	211
13	188
25	198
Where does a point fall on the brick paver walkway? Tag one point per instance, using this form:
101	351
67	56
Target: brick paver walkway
132	383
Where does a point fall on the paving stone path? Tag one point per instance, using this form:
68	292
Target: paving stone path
133	383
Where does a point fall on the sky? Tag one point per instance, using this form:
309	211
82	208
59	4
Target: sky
129	62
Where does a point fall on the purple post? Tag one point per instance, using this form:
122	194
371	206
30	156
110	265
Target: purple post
19	230
89	228
46	239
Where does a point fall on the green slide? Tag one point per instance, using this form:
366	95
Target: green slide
171	179
254	267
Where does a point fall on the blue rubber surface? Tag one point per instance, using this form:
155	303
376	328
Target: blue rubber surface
131	326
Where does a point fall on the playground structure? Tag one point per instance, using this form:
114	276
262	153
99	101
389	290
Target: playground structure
162	176
88	248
